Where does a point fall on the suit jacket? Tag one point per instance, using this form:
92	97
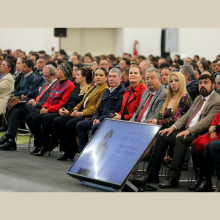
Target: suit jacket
6	87
45	96
155	104
193	89
206	117
92	102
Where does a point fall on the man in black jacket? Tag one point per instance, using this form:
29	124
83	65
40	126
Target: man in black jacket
20	111
192	84
111	102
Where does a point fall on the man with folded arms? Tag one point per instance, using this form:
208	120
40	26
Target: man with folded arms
21	110
180	135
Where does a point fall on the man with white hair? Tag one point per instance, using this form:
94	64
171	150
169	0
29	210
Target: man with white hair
152	99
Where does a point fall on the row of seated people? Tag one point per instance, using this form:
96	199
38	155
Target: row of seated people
172	108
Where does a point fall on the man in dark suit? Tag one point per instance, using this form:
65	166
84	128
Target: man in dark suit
152	98
180	135
20	111
192	84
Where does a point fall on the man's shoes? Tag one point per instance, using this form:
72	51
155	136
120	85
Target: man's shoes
205	186
4	139
148	178
23	132
169	183
35	150
9	146
3	128
42	151
196	184
65	157
185	166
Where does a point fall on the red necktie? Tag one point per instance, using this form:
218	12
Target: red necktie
38	97
195	112
144	108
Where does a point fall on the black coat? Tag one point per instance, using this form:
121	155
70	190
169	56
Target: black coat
110	103
74	99
193	89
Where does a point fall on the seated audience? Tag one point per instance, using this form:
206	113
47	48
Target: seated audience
23	109
59	95
66	126
195	122
76	68
132	97
203	66
83	78
111	102
125	62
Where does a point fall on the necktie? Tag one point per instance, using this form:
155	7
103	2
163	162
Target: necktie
195	112
38	97
144	108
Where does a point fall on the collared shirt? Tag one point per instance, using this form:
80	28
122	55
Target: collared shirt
113	88
28	74
190	82
195	119
1	76
145	113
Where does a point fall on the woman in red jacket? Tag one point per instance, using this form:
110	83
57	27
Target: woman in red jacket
132	97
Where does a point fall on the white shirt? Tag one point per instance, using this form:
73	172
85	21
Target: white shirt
145	113
195	119
113	88
28	74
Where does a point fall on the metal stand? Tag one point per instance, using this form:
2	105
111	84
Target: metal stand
127	187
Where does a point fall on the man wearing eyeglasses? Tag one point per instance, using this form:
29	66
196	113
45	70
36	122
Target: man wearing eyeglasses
23	109
152	98
188	60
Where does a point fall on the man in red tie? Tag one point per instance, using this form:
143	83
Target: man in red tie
22	110
152	99
180	135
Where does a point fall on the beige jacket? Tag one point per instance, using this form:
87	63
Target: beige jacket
6	87
206	117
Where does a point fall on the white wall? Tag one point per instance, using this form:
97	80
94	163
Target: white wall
148	38
201	41
28	39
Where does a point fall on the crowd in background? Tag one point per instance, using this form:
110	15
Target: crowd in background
59	98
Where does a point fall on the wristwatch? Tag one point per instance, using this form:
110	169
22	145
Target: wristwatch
215	128
82	113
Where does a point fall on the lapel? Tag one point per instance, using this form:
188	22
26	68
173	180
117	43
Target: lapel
207	104
155	96
96	91
195	104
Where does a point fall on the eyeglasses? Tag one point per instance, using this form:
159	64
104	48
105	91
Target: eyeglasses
46	77
103	64
152	78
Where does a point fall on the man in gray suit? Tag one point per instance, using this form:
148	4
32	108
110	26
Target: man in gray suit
152	98
22	110
180	135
